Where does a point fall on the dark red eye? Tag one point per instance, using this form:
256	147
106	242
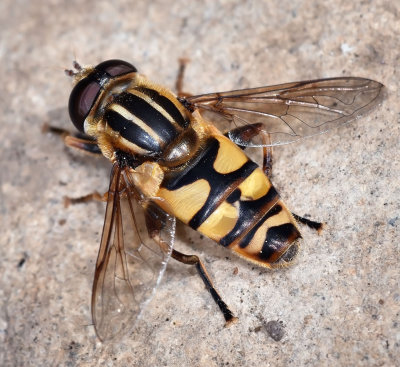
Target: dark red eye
82	99
115	67
85	93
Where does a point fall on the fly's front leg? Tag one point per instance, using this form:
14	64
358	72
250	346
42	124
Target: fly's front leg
94	196
79	141
154	223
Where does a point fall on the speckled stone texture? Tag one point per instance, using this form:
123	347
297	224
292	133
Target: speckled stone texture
338	306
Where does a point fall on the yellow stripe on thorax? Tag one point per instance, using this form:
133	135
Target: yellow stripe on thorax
111	140
131	117
155	106
142	81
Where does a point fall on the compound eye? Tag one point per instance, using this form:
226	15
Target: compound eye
115	67
81	100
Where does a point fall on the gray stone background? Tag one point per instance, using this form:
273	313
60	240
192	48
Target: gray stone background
339	305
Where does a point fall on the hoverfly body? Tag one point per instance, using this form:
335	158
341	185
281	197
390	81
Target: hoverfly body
170	163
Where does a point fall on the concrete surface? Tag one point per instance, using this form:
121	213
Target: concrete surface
338	306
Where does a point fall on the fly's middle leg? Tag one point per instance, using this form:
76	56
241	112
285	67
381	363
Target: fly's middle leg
84	144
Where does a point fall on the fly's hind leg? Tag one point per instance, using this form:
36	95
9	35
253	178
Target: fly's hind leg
267	154
155	219
194	260
318	226
244	135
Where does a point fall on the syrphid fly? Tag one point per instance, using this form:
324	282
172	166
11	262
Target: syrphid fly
170	162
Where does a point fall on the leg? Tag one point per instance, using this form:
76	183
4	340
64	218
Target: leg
179	79
83	143
79	141
156	223
194	260
267	154
94	196
244	135
310	223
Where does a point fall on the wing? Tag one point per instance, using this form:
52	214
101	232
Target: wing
292	111
130	264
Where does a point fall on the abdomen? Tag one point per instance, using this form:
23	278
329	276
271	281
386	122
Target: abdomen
228	198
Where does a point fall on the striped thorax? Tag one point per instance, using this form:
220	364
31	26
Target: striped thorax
126	113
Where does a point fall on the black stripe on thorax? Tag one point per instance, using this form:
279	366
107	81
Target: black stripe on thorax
131	131
221	185
149	115
167	105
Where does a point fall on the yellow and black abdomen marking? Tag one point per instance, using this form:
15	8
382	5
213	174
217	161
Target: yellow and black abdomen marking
227	197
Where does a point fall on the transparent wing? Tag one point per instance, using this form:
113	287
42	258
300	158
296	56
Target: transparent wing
130	264
292	111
